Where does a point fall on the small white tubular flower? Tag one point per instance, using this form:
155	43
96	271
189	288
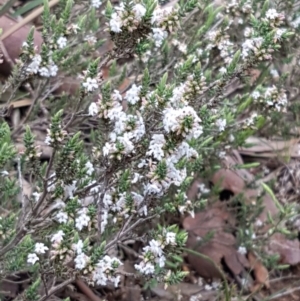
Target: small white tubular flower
183	150
139	11
53	69
82	220
93	109
139	130
62	42
58	237
44	71
178	93
115	23
128	145
40	248
174	122
248	32
32	258
96	3
34	66
5	173
255	95
36	196
242	250
145	268
90	84
156	146
78	247
132	95
81	261
272	14
154	247
105	270
158	36
90	168
221	124
223	70
117	95
62	217
70	189
171	238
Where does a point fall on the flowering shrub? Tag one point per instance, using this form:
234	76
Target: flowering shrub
182	112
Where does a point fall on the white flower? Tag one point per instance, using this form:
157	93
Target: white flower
91	40
48	140
90	84
154	247
255	95
106	149
62	217
34	66
174	121
222	155
132	95
44	72
171	238
158	36
274	73
40	248
81	261
145	268
4	173
248	32
258	223
182	47
104	220
36	196
115	23
207	287
178	93
203	189
62	42
221	124
279	33
52	68
104	269
93	109
78	247
117	95
90	168
139	11
96	3
32	258
82	220
156	146
70	189
128	145
161	261
223	70
242	250
136	178
271	14
58	237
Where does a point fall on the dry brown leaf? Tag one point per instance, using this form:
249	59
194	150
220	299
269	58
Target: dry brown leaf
229	180
261	274
289	250
218	220
172	291
266	148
